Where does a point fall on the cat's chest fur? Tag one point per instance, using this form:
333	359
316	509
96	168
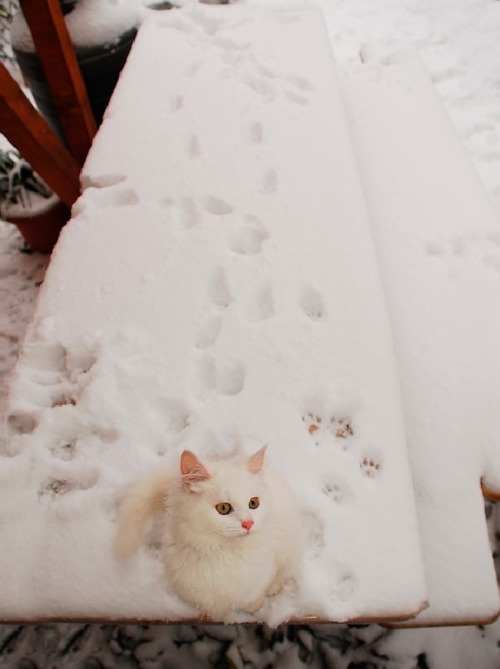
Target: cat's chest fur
219	578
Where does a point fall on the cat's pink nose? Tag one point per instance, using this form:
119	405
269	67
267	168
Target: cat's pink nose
247	524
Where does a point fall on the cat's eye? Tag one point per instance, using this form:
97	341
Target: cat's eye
253	503
224	508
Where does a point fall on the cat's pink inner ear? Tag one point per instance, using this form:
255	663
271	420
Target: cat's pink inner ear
256	461
192	469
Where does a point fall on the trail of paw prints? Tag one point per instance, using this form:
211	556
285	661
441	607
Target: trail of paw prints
261	79
484	250
55	379
245	239
185	213
327	428
271	84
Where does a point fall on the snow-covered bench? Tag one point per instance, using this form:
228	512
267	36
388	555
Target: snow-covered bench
218	287
438	242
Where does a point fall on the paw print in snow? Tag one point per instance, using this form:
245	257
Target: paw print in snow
313	424
333	491
63	400
369	468
341	428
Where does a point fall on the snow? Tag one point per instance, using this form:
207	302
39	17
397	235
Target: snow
107	388
458	41
438	244
91	23
34	202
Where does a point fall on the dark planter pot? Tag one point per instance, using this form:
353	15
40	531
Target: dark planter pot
41	230
100	67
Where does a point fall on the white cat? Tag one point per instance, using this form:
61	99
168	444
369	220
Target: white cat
231	530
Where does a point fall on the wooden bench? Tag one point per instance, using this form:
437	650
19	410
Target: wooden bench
439	248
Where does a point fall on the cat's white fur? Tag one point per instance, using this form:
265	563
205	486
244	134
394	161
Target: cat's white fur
214	562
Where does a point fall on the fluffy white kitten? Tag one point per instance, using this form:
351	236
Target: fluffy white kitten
231	530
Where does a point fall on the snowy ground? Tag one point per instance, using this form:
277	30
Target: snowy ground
458	42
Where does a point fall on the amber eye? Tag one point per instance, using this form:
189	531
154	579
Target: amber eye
253	503
224	508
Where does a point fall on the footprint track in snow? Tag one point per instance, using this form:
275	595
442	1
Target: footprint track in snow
253	133
316	540
21	423
57	377
327	422
176	103
311	303
175	415
269	182
343	586
218	289
106	180
223	377
370	467
65	482
480	249
262	306
217	206
193	148
112	196
296	98
333	492
249	237
182	213
207	334
260	85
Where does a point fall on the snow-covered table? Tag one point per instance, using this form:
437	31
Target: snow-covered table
217	289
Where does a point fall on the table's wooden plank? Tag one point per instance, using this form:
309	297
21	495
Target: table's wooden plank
26	129
63	74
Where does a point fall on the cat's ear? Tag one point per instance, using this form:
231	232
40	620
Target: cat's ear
256	461
193	471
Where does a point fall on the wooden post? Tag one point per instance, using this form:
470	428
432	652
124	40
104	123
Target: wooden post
36	141
64	78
